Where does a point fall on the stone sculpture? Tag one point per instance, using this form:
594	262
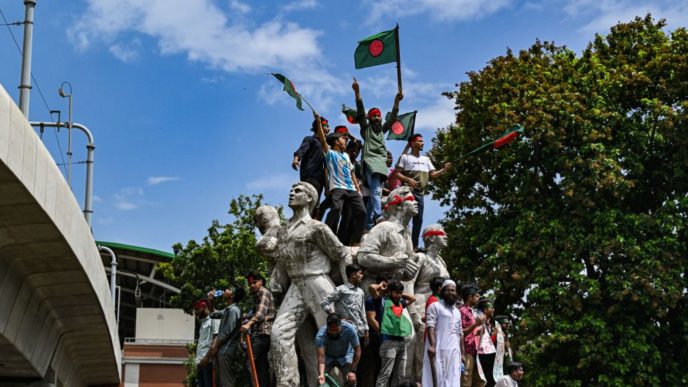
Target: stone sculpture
306	252
388	246
430	265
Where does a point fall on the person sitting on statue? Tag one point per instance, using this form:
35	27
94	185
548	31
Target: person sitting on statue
338	347
415	171
307	250
343	187
374	150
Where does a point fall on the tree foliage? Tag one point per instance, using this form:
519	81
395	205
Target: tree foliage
224	256
579	226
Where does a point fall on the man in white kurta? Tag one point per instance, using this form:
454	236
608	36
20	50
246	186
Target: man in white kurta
444	341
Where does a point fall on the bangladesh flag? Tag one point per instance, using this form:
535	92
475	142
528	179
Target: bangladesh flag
377	49
402	128
396	320
289	88
350	114
506	138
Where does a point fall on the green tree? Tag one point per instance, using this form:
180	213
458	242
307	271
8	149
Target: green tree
224	256
579	227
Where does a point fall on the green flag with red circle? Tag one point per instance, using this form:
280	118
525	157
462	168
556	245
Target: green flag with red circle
350	114
402	128
376	49
288	87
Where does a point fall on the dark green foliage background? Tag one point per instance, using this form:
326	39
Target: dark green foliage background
580	225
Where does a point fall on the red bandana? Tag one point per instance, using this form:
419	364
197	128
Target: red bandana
398	200
434	233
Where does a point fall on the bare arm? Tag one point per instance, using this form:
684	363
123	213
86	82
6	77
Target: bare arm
405	179
321	134
372	322
410	298
321	365
437	173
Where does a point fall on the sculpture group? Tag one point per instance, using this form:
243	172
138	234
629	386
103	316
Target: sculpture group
308	261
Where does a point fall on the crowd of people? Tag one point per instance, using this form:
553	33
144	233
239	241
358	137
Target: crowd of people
395	318
355	189
367	338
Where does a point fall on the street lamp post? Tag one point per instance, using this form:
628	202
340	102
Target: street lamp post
62	93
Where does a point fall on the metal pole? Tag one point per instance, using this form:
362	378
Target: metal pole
113	270
69	141
90	152
25	85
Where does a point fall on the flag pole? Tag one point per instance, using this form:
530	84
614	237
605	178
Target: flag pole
307	103
396	41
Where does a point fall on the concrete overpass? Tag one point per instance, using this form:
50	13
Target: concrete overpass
57	323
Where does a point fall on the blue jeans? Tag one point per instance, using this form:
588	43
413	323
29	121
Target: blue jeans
417	220
374	207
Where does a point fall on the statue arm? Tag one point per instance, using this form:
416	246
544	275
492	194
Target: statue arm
332	247
279	279
369	254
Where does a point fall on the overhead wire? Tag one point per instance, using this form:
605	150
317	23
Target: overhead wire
35	81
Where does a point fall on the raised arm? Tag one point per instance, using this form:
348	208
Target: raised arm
321	134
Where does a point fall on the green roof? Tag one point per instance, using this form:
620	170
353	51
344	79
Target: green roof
145	250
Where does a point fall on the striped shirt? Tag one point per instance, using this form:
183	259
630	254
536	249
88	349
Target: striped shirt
339	171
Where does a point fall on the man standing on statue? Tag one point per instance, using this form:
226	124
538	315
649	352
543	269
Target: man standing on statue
374	151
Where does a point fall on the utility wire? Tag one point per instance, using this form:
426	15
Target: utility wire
38	87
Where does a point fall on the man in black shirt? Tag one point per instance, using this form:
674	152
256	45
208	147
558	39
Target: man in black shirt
309	157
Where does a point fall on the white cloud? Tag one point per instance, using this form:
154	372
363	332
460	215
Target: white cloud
97	199
442	10
201	31
129	198
602	14
154	180
126	52
301	4
238	6
282	181
438	115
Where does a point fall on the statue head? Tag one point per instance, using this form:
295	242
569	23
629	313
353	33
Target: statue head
401	202
434	235
303	194
266	217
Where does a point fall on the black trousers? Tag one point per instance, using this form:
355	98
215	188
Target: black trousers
261	346
351	230
417	222
487	364
318	185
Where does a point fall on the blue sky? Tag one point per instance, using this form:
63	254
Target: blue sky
185	117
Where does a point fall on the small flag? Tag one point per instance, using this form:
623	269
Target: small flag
377	49
402	128
507	137
350	114
289	88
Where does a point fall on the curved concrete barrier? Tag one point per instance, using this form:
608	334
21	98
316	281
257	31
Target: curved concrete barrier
56	312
